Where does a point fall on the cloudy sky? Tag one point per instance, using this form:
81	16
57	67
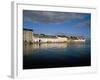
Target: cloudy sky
52	23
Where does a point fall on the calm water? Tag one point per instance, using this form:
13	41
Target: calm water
48	55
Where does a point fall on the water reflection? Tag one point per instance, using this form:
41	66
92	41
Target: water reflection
78	44
29	49
50	45
47	55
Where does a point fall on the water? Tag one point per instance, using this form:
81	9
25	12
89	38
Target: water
52	55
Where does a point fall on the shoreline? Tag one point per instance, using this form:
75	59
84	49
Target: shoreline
69	41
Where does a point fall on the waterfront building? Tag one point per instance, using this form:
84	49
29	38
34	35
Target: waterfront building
28	35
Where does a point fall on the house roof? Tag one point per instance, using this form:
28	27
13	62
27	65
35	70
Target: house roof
63	36
27	29
44	36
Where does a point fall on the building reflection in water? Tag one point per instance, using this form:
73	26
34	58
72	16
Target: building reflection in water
28	49
50	45
78	44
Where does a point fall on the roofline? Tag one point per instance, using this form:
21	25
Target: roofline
27	29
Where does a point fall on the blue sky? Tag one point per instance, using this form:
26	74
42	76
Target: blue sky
53	23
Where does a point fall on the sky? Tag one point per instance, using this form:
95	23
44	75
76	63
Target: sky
54	23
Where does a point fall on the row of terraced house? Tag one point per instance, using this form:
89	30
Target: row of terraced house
30	37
